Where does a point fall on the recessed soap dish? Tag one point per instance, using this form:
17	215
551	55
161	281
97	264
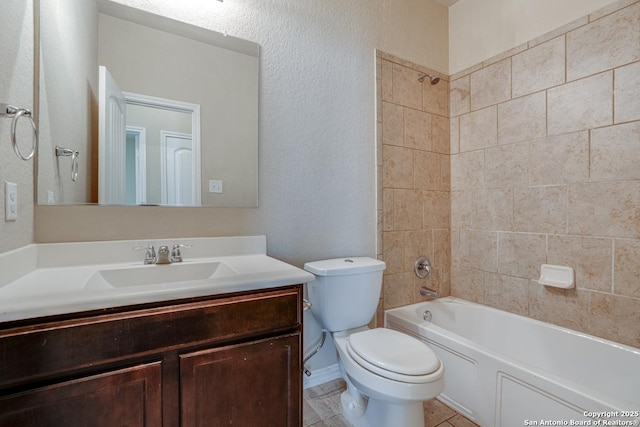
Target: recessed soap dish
558	276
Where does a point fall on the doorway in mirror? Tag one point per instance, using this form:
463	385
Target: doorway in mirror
149	148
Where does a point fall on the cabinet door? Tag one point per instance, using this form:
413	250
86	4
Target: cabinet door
245	385
126	397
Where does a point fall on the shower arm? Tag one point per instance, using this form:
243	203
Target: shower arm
432	79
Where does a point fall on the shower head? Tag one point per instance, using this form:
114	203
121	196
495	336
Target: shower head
432	79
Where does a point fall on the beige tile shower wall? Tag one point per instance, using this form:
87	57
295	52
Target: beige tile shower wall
545	168
413	179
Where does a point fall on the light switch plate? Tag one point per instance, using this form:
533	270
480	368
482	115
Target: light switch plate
10	201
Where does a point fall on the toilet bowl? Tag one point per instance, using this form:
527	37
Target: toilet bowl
393	371
388	374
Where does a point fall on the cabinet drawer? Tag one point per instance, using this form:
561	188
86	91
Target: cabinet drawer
48	350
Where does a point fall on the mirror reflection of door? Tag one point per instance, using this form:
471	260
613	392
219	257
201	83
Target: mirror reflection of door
111	140
161	121
149	149
176	169
136	166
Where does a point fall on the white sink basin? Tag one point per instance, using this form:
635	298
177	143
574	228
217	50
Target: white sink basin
60	278
159	274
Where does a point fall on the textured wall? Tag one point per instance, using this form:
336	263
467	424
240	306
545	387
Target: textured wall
544	169
16	87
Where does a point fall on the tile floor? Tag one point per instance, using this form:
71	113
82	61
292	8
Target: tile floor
322	409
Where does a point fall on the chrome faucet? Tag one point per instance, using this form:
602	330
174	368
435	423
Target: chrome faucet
149	256
163	255
422	268
426	292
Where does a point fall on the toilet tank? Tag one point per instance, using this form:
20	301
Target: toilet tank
346	291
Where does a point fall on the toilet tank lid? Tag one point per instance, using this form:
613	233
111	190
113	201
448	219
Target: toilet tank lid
344	266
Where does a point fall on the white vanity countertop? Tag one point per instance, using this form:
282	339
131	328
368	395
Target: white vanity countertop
49	279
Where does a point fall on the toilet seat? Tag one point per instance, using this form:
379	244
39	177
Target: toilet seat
393	355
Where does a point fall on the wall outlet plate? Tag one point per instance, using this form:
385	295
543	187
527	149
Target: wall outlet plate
215	186
10	201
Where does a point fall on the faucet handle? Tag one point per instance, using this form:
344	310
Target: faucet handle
176	256
422	267
150	255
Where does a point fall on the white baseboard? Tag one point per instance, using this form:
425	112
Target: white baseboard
321	376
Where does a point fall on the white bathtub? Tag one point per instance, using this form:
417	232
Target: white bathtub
506	370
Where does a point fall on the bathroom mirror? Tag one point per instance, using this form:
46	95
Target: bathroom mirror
209	79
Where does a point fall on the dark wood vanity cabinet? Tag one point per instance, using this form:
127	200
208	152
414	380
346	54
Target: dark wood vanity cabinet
217	361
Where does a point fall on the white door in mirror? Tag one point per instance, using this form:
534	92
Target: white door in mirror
10	201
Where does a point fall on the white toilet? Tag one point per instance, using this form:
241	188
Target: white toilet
388	374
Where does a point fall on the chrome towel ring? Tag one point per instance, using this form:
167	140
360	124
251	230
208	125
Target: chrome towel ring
64	152
15	113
